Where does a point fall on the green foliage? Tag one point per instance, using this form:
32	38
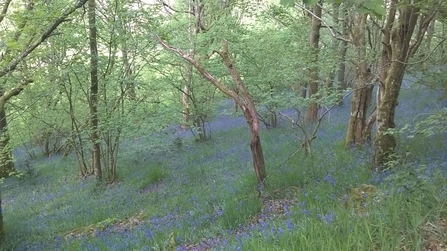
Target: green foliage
155	173
375	7
434	124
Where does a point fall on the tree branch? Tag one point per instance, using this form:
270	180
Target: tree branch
30	48
331	30
200	68
174	10
425	22
4	10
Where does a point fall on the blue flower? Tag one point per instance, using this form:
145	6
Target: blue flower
327	218
289	224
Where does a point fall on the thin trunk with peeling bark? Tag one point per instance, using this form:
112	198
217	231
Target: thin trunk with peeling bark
335	44
429	38
361	99
185	98
242	98
342	85
93	102
312	110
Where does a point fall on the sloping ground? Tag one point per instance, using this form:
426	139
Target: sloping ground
208	186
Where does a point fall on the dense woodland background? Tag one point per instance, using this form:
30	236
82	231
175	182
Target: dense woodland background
224	125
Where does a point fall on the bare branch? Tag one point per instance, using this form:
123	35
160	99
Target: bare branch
425	22
200	68
424	59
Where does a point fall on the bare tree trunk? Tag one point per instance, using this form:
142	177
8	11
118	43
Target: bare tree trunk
304	91
430	33
130	84
429	38
335	44
186	96
93	102
342	85
312	110
362	96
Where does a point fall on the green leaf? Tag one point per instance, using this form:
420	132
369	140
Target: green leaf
380	9
369	5
287	3
310	2
374	8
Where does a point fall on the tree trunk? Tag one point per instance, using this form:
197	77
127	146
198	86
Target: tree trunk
304	91
6	162
342	85
94	120
443	35
429	38
385	143
335	44
362	96
242	97
401	33
255	143
185	96
2	231
360	103
312	110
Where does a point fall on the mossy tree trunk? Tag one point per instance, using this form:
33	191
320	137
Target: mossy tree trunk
400	49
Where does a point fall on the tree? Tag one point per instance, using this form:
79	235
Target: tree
9	63
93	101
241	96
363	87
403	18
312	110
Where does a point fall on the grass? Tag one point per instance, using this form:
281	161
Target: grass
202	195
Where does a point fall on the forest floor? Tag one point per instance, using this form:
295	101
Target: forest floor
202	195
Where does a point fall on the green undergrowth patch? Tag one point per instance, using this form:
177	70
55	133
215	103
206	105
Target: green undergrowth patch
170	197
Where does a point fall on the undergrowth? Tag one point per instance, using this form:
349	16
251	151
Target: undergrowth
203	196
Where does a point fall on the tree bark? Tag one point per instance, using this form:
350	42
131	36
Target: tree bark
361	99
400	50
335	44
442	46
312	110
2	231
93	102
6	162
342	85
242	98
428	41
